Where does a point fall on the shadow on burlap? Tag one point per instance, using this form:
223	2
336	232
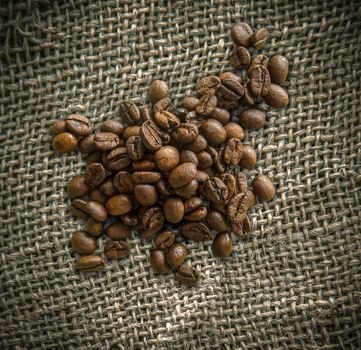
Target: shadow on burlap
295	285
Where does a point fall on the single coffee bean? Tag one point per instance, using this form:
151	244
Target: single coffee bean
204	160
199	144
241	182
129	112
241	228
158	261
215	190
230	75
130	131
220	164
123	182
222	245
206	105
187	191
187	275
259	80
196	231
146	194
252	118
230	90
276	98
94	228
164	188
233	151
249	199
190	103
64	142
260	59
186	156
213	131
135	147
94	157
241	34
145	113
224	103
95	174
213	153
278	69
166	158
194	118
83	209
108	188
192	204
166	120
237	208
78	124
151	136
90	263
197	214
230	182
97	196
207	85
119	204
263	187
158	90
146	177
113	126
216	221
106	141
77	187
164	239
249	157
83	243
240	58
181	113
259	38
202	176
152	221
165	104
184	133
221	114
58	127
130	219
182	175
173	209
234	130
147	163
117	159
86	145
248	97
176	255
118	231
117	250
219	207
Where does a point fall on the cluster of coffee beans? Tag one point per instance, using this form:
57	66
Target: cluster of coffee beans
173	174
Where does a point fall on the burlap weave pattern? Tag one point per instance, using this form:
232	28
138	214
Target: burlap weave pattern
295	285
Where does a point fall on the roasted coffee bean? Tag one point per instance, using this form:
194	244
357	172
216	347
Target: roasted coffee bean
194	118
64	142
58	127
123	182
221	114
184	133
213	153
151	136
146	194
263	187
165	104
196	231
252	118
129	112
186	156
117	159
94	157
147	163
158	90
207	85
166	120
166	158
90	263
95	174
190	103
118	231
97	196
176	255
86	145
77	187
198	145
83	209
164	188
215	190
117	250
242	228
78	124
260	59
213	131
187	275
113	126
204	160
250	199
242	34
130	131
152	221
158	261
222	245
106	141
202	176
182	175
173	209
234	130
216	221
130	219
187	191
197	214
135	147
276	98
237	208
192	204
249	157
220	165
146	177
108	188
231	75
181	113
145	113
206	105
230	182
230	90
94	227
248	97
241	182
227	104
259	38
119	204
240	58
233	151
219	207
278	69
259	80
83	243
164	239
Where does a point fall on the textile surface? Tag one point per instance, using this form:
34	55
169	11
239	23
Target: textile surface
296	284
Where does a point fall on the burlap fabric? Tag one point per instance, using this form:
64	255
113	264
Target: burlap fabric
295	285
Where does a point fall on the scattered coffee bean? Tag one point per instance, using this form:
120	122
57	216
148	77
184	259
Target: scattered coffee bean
234	130
259	80
182	175
95	174
206	105
94	228
186	156
119	204
118	231
196	231
187	191
249	157
184	133
78	124
83	243
213	131
106	141
113	126
190	103
207	86
58	127
248	97
83	209
259	38
240	58
221	115
129	112
152	221
77	187
130	219
176	255
164	239
146	177
263	187
146	194
117	250
276	98
133	130
151	136
158	90
216	221
166	120
65	142
135	148
90	263
165	104
242	34
197	214
97	196
252	118
86	145
278	69
158	261
166	158
108	188
173	209
187	275
233	151
222	245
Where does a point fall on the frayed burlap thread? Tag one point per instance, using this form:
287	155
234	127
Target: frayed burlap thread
296	284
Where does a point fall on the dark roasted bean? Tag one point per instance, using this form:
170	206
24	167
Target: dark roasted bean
158	261
106	141
83	243
129	112
118	231
164	239
196	231
187	275
117	250
90	263
78	124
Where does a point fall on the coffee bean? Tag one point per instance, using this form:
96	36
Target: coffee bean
248	97
249	157
233	151
241	34
165	104
220	164
263	187
194	118
146	194
237	208
108	188
201	176
252	118
94	157
215	190
230	90
213	131
95	174
173	209
152	221
259	80
187	275
261	60
231	75
166	158
259	38
230	182
222	245
221	114
207	85
151	136
213	153
224	103
83	243
145	113
181	113
166	120
276	98
64	142
147	163
130	219
129	113
158	261
135	147
184	133
86	145
176	255
94	227
117	159
187	191
182	175
192	204
206	105
186	156
130	131
113	126
234	130
190	103
58	127
146	177
117	250
158	90
241	182
199	144
164	239
164	188
77	187
118	231
196	231
106	141
278	69
204	160
123	182
83	209
97	196
197	214
216	221
90	263
119	204
240	58
78	124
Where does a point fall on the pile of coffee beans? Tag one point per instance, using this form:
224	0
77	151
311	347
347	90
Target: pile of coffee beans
174	174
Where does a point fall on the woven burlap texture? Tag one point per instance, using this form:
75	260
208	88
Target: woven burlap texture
295	285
